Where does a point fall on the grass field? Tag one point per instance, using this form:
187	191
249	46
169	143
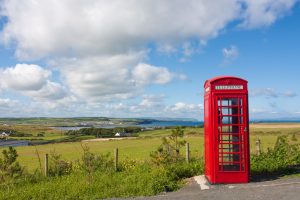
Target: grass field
148	141
49	133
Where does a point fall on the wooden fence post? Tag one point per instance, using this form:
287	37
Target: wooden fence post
46	164
257	144
187	153
116	158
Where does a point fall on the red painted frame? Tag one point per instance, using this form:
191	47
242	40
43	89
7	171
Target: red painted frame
236	167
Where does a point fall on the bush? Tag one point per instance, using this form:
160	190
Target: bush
280	159
9	167
294	137
169	151
18	134
91	162
57	166
181	170
41	134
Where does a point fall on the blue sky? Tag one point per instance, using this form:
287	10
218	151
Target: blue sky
145	59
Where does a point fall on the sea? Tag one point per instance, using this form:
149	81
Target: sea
146	125
171	123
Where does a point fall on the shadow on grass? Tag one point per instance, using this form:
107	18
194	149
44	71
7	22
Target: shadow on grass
268	176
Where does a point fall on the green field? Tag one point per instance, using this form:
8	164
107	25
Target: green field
48	132
141	147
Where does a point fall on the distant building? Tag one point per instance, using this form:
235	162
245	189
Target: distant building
122	134
4	135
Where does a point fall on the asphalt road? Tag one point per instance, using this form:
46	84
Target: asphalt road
281	189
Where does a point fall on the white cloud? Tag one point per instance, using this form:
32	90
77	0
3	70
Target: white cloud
257	111
8	107
271	93
109	26
7	103
289	94
268	92
103	77
150	104
100	48
24	77
261	13
166	48
145	74
106	78
189	49
230	53
32	81
50	91
184	108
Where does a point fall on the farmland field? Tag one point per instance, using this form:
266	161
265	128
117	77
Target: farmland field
140	148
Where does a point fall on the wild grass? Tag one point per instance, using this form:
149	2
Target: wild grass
142	181
95	178
141	147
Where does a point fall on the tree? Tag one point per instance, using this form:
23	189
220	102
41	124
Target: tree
169	151
9	167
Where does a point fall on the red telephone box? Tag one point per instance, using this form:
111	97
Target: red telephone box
226	135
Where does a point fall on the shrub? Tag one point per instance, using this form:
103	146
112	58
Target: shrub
18	134
169	150
9	167
90	163
41	134
294	137
58	166
183	169
280	159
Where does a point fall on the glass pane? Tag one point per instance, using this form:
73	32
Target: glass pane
230	167
230	102
233	101
226	111
230	120
235	110
235	129
235	138
225	102
226	138
226	129
227	148
226	120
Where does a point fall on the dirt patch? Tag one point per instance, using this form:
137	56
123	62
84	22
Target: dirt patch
276	125
108	139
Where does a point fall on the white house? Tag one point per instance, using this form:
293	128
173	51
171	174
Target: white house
122	134
4	135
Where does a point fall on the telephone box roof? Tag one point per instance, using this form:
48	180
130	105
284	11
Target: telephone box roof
218	78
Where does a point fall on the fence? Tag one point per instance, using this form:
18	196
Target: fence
116	159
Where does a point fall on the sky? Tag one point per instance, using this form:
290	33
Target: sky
145	58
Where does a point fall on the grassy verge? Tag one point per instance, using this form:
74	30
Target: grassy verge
94	177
